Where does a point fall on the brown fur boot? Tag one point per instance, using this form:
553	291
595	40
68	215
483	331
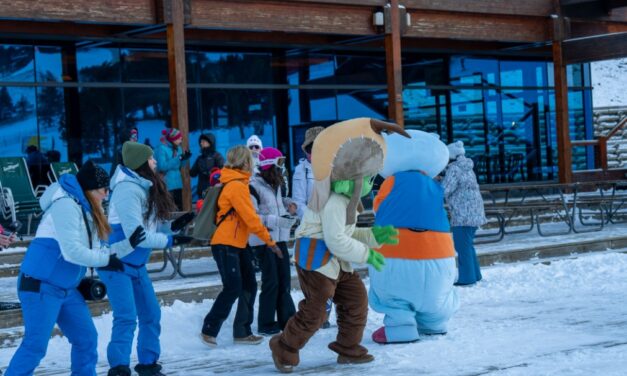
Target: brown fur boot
284	359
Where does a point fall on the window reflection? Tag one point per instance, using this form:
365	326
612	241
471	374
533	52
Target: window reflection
16	63
18	120
98	64
48	64
144	65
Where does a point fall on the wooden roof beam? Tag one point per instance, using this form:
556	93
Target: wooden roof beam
605	47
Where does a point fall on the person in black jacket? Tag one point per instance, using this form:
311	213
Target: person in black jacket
208	159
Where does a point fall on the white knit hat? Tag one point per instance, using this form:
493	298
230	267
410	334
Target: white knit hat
254	140
456	149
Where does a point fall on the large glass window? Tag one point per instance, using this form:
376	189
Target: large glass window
98	64
17	63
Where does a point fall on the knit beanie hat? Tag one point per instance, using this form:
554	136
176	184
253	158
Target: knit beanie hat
134	154
91	176
172	134
456	149
310	136
214	176
268	157
254	140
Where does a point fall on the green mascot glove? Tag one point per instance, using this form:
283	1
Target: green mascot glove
385	234
376	260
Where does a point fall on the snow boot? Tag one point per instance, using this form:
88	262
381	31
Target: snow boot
149	370
209	340
249	340
279	352
379	337
119	371
353	355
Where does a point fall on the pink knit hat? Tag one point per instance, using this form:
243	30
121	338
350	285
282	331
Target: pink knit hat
172	134
269	157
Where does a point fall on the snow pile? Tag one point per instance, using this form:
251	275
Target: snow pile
609	80
563	318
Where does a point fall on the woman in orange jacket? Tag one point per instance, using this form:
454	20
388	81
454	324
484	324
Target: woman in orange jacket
230	251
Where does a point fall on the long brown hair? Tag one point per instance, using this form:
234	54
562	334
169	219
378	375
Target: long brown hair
160	201
98	215
273	176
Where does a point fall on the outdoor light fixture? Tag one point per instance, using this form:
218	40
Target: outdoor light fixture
382	18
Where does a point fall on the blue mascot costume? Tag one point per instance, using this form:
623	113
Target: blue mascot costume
415	290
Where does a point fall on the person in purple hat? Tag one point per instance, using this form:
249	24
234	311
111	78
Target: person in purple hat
275	302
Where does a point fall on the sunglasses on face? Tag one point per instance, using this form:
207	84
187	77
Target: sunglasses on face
254	147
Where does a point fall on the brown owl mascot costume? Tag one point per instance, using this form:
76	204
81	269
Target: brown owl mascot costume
345	158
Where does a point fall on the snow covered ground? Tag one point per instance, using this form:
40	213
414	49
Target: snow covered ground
563	318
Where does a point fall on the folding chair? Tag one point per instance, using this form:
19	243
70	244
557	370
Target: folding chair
15	179
59	168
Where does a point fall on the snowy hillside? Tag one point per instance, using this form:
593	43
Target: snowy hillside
609	82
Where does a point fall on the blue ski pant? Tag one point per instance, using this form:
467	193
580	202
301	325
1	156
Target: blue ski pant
40	311
467	261
132	299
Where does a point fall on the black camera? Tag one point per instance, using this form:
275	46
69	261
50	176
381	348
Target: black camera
12	228
92	288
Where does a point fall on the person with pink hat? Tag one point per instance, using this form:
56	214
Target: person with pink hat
170	158
275	302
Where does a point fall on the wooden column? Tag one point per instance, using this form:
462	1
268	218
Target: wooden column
564	147
393	65
178	86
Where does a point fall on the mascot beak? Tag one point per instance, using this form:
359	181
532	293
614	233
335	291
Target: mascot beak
379	126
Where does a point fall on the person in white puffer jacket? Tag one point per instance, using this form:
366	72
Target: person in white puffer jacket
275	297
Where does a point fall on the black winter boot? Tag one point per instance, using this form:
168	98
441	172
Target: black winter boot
149	370
119	371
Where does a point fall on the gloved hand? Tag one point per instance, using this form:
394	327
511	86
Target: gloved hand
277	251
138	236
114	265
376	260
182	221
186	155
385	234
286	221
176	240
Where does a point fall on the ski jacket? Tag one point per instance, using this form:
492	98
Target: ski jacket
61	250
243	220
462	194
129	197
269	207
169	164
302	185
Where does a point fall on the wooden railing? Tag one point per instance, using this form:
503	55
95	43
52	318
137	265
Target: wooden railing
601	144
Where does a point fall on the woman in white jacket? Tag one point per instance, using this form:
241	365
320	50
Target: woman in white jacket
266	195
68	240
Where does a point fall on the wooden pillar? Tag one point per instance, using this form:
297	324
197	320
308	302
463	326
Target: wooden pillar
564	147
178	86
393	65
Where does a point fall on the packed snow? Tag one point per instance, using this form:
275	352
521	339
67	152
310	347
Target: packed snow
566	317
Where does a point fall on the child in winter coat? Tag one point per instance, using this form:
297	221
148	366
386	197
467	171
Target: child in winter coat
68	240
139	197
238	220
275	297
170	158
463	196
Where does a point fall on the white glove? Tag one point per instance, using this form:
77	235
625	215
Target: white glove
286	222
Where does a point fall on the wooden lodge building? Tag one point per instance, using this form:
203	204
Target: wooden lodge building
508	77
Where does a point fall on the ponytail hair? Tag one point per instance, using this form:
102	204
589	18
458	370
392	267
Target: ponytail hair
98	215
